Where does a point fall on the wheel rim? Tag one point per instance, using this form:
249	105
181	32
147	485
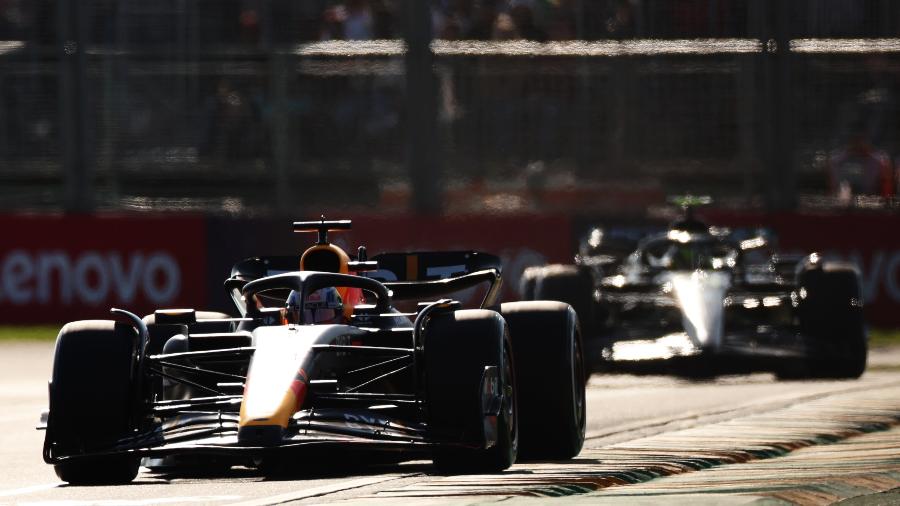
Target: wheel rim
578	379
509	398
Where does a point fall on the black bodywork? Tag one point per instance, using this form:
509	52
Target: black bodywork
365	384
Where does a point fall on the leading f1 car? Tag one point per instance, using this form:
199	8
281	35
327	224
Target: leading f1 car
696	300
321	363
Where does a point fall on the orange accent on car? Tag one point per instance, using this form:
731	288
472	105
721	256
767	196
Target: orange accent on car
412	267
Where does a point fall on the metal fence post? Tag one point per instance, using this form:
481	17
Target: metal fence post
781	182
280	70
73	100
580	128
421	110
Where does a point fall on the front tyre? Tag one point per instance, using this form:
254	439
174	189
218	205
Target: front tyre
115	470
458	346
91	402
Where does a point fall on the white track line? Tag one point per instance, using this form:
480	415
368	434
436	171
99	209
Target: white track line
314	492
28	490
152	501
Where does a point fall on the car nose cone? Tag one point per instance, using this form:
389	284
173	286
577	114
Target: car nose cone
699	295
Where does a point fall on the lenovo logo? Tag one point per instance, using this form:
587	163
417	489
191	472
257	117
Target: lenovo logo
89	278
880	272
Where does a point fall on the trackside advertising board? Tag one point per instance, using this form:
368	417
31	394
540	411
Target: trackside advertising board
55	269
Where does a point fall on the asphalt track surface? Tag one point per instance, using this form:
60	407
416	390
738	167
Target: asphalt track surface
652	439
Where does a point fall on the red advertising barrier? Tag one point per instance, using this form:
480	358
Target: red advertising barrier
55	269
871	241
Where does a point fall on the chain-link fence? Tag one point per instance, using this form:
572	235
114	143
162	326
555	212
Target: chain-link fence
256	105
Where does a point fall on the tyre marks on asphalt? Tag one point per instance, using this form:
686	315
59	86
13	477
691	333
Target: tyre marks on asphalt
316	491
685	419
863	465
747	440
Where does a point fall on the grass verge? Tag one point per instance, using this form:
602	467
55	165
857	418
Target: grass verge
28	332
884	337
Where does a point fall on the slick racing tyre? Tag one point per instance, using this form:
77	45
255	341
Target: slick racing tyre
457	348
551	378
570	284
91	401
526	284
831	314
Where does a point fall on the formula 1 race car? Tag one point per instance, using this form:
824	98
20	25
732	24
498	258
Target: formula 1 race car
322	366
695	300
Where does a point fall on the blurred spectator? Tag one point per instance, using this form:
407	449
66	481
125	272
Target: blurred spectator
332	23
352	20
248	22
229	119
286	21
858	168
505	28
383	13
485	13
360	20
620	19
14	19
359	24
562	22
452	19
522	14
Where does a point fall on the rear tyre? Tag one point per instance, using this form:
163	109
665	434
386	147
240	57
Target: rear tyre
831	313
548	353
526	284
458	346
91	401
572	285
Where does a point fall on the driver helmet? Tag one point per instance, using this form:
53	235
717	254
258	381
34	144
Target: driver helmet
681	257
330	258
322	306
688	256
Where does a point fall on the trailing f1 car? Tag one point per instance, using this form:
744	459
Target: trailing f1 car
696	300
320	364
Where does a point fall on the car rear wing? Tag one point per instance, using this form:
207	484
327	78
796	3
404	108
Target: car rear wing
410	276
424	275
384	267
431	265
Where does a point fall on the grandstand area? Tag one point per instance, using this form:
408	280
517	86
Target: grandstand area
257	106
